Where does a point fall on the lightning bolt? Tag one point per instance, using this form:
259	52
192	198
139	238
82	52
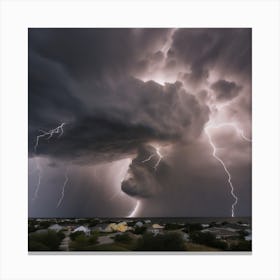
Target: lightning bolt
63	187
39	169
152	155
214	154
50	133
149	158
159	158
134	211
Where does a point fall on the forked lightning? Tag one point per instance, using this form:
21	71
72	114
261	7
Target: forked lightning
214	154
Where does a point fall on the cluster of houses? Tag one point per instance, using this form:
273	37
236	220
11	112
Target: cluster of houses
220	231
110	227
230	231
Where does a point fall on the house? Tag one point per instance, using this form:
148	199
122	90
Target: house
186	237
205	225
84	229
55	227
155	229
139	224
121	227
222	233
101	227
157	226
40	231
248	237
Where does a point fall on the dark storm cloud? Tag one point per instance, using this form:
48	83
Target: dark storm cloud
82	77
225	90
202	49
96	52
51	91
116	122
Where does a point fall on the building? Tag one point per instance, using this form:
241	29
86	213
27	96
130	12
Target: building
186	237
55	227
248	237
222	233
155	229
205	225
139	224
120	227
84	229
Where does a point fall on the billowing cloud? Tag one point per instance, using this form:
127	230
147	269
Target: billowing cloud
116	120
141	180
226	50
225	90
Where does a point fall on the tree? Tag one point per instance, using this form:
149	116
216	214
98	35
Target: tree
173	226
74	235
161	242
45	241
140	230
242	245
208	239
193	227
123	238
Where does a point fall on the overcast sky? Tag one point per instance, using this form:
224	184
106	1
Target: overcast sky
141	112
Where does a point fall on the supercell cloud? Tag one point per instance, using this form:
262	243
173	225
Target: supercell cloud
123	94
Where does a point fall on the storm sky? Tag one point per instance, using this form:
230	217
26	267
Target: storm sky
140	109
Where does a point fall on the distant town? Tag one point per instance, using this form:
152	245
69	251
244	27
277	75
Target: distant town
139	234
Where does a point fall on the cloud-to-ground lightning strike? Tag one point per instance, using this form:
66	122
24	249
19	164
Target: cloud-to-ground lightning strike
63	187
133	212
50	133
39	169
241	133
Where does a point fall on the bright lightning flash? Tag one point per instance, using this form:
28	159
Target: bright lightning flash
159	158
241	133
149	158
134	211
63	187
152	155
50	133
39	169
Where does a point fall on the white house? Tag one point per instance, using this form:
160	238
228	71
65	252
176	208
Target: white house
139	224
157	226
221	233
155	229
205	225
248	237
186	237
55	227
84	229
